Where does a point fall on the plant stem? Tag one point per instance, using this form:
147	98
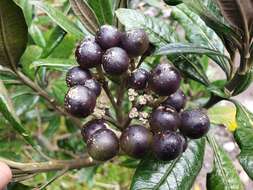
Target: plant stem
38	167
105	86
51	101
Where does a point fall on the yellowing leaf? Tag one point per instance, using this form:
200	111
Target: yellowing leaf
225	115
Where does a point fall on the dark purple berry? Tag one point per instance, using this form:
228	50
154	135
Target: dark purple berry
164	119
136	141
115	61
77	76
176	100
108	37
88	54
194	124
167	146
135	42
165	80
93	85
139	79
91	127
184	142
80	101
103	145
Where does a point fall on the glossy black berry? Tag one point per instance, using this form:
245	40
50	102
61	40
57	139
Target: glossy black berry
176	100
136	141
139	79
103	145
108	37
165	80
77	76
91	127
88	54
194	124
80	101
135	42
167	146
115	61
184	142
93	85
163	119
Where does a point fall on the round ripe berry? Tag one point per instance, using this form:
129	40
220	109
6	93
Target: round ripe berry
176	100
80	101
164	119
194	124
103	145
136	141
184	141
94	86
108	37
91	127
139	79
165	80
88	54
115	61
77	76
135	42
167	146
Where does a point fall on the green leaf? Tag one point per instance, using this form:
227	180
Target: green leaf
88	18
53	126
37	35
60	19
103	10
8	112
186	48
159	31
27	10
243	136
13	33
32	53
198	33
59	89
178	174
224	175
192	67
55	38
54	63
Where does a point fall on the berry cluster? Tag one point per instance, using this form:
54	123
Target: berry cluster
169	126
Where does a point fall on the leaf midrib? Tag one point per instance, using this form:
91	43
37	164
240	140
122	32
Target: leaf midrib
163	179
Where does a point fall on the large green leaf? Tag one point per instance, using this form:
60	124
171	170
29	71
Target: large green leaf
103	10
28	9
86	15
55	38
198	33
8	112
159	31
192	67
186	48
60	19
178	174
224	175
243	136
13	33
